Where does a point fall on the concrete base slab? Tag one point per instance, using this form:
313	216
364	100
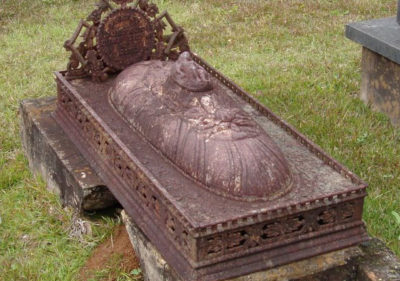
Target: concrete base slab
53	156
378	263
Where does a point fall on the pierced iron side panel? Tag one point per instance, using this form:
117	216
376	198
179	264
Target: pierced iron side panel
262	236
126	170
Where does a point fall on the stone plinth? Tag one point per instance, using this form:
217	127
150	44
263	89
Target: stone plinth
52	155
380	86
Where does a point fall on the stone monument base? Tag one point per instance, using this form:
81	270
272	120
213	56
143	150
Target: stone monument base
380	86
52	155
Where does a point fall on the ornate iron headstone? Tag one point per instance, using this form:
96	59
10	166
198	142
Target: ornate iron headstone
220	184
114	38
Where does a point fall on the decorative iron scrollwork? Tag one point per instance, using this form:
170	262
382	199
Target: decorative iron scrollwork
114	38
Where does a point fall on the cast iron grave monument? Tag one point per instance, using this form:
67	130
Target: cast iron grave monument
219	184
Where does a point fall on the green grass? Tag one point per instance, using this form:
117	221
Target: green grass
290	54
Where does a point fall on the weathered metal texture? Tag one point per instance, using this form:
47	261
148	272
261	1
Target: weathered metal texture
380	86
205	236
330	266
113	40
370	261
163	135
125	37
201	129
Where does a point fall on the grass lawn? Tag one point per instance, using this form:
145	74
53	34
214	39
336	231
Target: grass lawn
290	54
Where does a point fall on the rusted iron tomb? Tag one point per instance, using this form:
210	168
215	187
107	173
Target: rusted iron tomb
220	184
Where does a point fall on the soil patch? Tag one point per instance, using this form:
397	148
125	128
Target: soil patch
110	259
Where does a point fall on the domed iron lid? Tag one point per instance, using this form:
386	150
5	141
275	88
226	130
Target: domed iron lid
190	118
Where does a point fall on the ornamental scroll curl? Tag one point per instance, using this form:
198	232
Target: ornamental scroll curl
112	38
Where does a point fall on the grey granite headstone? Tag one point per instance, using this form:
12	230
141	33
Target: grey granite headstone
380	41
379	35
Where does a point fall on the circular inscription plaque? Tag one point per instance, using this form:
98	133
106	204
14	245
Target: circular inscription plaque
125	37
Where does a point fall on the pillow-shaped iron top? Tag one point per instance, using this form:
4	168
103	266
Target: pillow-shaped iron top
189	117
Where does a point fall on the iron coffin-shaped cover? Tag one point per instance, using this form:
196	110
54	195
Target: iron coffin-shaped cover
189	118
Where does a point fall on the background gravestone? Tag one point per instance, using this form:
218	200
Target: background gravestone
380	66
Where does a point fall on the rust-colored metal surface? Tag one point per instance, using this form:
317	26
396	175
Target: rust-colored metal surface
115	37
220	184
125	37
203	235
201	129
